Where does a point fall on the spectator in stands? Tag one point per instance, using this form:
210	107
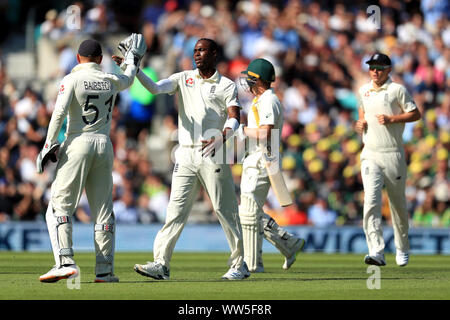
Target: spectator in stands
320	215
321	65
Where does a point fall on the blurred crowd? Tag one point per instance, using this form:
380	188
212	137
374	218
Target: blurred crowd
318	50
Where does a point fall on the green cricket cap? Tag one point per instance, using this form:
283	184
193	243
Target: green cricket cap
261	69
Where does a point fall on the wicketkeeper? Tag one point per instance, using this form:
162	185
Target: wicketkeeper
265	121
86	96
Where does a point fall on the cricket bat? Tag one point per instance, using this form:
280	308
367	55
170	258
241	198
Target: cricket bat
277	181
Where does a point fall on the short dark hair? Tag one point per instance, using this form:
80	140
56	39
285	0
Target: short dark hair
266	84
90	48
212	44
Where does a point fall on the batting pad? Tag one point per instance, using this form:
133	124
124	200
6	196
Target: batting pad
252	238
280	238
252	233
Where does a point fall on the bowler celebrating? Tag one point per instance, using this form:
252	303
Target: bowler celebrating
208	105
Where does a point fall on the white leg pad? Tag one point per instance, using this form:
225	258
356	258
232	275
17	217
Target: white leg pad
60	232
280	238
52	226
252	234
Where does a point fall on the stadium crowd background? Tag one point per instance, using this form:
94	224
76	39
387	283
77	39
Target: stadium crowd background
318	49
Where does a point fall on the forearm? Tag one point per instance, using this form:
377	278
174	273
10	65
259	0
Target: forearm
55	125
129	73
60	112
230	127
405	117
256	133
162	86
232	124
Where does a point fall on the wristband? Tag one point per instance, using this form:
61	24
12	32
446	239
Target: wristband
231	123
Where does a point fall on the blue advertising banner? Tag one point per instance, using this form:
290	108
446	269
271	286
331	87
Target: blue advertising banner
33	236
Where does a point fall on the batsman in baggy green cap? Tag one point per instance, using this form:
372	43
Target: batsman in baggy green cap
261	169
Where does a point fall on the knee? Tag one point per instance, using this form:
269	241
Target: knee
249	211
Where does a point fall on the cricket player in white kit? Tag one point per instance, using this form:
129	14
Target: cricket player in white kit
384	108
265	122
86	96
206	100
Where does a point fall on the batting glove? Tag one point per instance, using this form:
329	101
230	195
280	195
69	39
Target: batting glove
47	153
240	132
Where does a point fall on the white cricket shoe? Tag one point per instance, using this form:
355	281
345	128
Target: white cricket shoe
402	258
59	273
377	260
153	270
237	274
106	278
289	261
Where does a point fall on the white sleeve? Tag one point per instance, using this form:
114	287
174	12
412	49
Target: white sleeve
62	105
162	86
267	112
231	96
405	100
123	81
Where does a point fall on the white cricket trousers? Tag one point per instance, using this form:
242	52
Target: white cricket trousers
85	163
192	170
387	169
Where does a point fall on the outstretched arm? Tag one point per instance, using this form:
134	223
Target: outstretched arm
162	86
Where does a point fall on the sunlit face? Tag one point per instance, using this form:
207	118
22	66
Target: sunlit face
379	73
204	57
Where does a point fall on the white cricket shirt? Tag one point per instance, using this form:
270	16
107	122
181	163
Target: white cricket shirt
390	99
266	110
202	105
86	96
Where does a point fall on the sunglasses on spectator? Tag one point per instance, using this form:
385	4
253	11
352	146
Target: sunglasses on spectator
378	68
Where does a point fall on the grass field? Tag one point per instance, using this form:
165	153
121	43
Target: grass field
197	276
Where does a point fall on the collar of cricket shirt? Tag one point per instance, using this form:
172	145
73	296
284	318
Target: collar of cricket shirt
265	93
213	79
383	87
87	65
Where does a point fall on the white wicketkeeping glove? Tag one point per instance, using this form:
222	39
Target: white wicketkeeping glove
125	45
136	51
47	153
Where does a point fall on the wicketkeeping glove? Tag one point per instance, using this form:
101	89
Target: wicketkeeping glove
136	51
47	153
125	45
